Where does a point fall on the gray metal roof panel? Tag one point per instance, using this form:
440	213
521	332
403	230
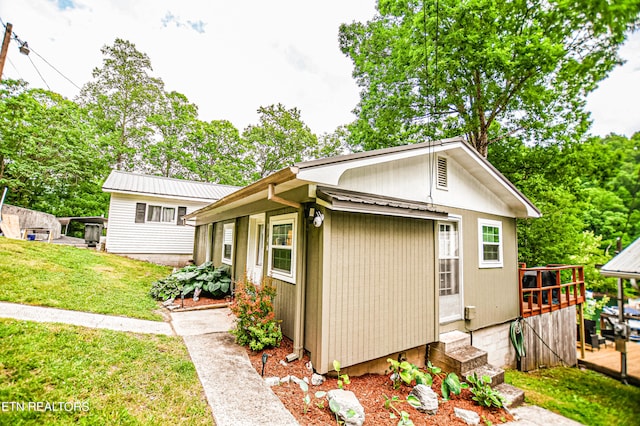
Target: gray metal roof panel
626	264
119	181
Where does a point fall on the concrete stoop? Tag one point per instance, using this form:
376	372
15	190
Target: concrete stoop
454	354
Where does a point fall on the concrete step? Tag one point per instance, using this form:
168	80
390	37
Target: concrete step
514	396
460	361
452	340
496	374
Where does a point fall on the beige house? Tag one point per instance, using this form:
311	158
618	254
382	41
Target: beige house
379	252
146	215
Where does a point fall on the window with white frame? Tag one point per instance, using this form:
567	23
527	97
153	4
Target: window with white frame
227	243
490	243
155	213
282	262
449	258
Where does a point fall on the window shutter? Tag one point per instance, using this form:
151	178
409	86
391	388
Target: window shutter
441	179
181	212
140	209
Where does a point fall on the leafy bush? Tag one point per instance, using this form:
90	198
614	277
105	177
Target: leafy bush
256	325
404	371
480	387
184	281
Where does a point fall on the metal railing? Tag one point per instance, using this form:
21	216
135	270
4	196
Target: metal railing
550	288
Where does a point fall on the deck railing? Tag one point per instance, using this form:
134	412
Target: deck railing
550	288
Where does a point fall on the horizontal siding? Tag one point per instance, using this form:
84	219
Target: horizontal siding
126	236
381	286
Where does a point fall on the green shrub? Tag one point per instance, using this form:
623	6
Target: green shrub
480	387
184	281
256	325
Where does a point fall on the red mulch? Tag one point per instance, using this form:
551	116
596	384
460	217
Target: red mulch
204	300
369	390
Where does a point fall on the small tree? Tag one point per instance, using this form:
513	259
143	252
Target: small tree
256	325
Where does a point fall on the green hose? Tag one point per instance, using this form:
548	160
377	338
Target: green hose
517	338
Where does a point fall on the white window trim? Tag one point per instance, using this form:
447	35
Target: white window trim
490	264
279	220
225	227
457	219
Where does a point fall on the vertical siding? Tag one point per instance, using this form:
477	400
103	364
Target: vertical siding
493	291
240	247
553	342
380	294
126	236
200	244
313	301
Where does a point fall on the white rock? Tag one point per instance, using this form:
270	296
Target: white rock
469	417
347	402
283	362
427	397
285	379
272	381
306	380
317	379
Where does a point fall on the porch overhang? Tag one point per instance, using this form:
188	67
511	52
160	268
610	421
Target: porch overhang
360	202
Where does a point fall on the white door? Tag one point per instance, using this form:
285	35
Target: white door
449	272
255	248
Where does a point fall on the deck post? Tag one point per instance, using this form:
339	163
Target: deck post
581	322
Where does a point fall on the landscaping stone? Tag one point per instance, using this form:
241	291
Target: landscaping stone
469	417
306	380
317	379
285	379
272	381
283	362
347	402
427	397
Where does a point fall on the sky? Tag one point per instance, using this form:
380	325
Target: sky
231	57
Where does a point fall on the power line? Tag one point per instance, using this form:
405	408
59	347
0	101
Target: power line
24	45
38	71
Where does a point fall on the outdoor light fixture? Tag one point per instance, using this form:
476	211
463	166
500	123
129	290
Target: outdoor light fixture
24	48
318	219
265	357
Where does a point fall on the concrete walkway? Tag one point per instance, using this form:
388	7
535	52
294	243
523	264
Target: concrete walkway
85	319
235	391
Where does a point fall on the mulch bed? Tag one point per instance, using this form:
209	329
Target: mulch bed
369	390
203	301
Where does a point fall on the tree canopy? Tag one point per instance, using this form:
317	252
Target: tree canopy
481	68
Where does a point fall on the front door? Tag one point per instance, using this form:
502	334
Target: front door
255	251
449	272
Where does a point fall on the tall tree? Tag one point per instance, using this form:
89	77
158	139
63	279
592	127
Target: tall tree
218	154
48	156
280	139
121	97
481	68
174	121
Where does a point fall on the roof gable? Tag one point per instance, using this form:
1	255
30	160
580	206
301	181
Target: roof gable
133	183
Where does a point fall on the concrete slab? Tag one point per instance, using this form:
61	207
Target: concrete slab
85	319
235	391
532	415
193	323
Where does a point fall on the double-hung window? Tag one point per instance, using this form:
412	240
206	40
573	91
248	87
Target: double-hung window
156	213
282	258
227	243
490	243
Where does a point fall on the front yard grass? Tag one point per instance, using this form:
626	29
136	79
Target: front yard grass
582	395
37	273
113	377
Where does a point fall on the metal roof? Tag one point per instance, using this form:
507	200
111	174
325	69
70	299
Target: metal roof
352	201
133	183
626	264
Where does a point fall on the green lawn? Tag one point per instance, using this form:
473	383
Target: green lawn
37	273
113	377
582	395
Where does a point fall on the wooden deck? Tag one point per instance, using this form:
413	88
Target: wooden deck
607	361
550	288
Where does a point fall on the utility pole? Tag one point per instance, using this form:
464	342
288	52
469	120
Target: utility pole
5	47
